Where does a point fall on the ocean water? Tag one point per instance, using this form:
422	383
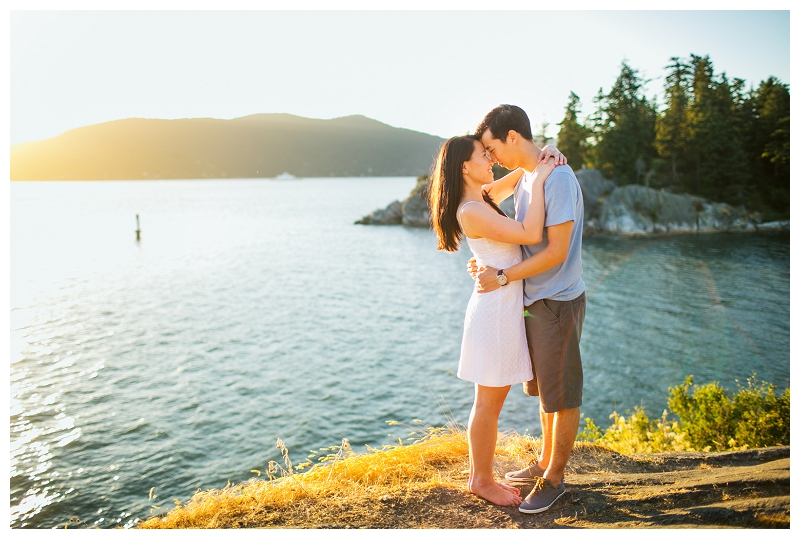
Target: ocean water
253	310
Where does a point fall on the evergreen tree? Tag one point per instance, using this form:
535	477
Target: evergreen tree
742	189
572	137
771	143
541	138
624	130
718	162
672	127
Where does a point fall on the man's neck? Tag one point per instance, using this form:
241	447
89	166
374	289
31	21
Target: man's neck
530	155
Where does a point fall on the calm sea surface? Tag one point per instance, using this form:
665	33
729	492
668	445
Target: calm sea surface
256	309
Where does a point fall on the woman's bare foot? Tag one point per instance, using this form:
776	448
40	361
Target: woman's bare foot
509	488
494	492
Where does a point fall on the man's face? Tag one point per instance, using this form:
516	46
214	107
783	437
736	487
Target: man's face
499	151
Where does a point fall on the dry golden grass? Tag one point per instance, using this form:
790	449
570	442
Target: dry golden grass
438	457
780	520
422	484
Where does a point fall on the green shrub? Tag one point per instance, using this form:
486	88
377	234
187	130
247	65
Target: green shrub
638	434
754	417
708	419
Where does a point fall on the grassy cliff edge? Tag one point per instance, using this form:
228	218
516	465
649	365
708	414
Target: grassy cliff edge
639	473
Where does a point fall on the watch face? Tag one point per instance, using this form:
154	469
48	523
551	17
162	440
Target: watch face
502	279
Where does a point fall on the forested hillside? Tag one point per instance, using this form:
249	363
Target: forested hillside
257	146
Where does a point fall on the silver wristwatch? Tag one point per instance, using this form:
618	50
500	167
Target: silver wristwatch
502	280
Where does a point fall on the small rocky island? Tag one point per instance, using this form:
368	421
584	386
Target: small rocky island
630	210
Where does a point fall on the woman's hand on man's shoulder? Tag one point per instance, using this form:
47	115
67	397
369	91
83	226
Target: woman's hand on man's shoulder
551	151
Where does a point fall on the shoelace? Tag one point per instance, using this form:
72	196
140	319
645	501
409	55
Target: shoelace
534	463
540	484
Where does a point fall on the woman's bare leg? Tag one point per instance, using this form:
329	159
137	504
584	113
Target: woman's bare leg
482	437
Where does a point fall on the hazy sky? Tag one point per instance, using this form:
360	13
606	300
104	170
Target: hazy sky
433	71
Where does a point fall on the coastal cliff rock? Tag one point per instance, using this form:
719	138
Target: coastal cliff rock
390	215
636	210
630	210
413	211
595	188
415	207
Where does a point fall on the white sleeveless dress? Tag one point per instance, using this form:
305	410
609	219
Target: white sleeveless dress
494	350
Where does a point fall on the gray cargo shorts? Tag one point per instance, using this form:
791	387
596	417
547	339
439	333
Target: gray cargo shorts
553	329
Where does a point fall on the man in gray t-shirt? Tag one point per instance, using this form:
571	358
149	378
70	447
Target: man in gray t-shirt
563	201
555	299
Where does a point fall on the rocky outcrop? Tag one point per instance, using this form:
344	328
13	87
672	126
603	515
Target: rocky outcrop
595	188
630	210
390	215
633	210
413	211
415	208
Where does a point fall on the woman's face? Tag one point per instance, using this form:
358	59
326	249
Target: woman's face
479	166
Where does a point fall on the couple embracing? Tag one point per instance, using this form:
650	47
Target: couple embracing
524	319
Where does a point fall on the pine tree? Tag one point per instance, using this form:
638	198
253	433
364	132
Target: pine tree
672	128
572	137
541	138
624	130
771	143
715	147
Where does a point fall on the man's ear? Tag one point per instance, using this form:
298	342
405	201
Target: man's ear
512	137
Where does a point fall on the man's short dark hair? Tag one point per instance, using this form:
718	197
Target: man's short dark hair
503	119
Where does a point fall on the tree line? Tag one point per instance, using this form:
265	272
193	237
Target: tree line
709	137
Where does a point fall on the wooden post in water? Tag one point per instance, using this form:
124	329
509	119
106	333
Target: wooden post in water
138	232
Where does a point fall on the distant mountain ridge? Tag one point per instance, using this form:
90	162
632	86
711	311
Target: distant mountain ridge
255	146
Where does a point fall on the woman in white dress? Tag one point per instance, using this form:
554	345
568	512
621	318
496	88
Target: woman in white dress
494	351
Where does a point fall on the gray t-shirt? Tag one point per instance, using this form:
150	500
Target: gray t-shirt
563	201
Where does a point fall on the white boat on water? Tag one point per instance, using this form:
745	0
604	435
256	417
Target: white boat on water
285	176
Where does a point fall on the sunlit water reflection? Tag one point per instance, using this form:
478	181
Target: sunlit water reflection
255	309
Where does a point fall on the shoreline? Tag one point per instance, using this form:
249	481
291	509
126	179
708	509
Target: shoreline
774	227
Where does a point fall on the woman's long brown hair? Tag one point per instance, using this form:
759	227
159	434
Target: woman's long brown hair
447	189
